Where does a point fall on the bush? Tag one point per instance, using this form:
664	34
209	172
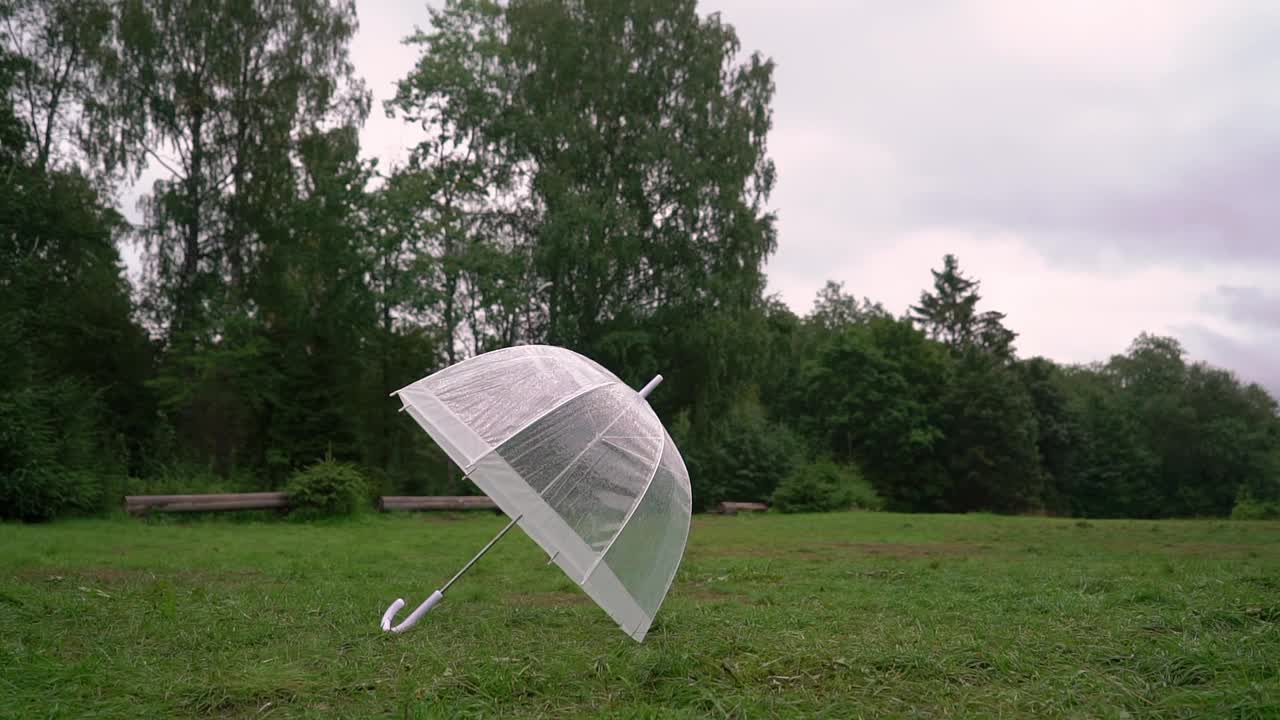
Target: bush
49	453
327	489
39	494
1249	508
741	459
180	478
824	486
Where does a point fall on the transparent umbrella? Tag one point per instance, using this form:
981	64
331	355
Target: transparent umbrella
573	456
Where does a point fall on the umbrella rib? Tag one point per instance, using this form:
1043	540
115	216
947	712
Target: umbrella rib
562	402
632	453
578	457
657	462
559	404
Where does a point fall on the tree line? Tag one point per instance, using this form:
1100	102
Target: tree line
592	175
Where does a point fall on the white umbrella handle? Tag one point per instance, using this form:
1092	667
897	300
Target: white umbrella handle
413	618
438	595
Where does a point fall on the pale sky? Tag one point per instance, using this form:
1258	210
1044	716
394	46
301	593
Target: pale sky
1104	168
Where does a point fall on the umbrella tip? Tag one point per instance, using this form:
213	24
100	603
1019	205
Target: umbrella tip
644	392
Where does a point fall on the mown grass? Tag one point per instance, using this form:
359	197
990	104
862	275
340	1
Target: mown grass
843	615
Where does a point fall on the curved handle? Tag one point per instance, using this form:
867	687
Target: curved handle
413	618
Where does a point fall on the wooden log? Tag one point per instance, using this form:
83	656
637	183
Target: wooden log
212	502
435	502
733	508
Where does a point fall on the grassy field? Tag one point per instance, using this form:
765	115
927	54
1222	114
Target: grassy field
843	615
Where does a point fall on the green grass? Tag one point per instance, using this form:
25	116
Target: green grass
842	615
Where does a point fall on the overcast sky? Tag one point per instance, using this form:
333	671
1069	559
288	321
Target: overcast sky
1104	168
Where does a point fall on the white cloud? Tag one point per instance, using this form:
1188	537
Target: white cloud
1065	313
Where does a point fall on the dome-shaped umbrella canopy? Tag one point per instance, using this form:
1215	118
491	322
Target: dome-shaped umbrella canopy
578	458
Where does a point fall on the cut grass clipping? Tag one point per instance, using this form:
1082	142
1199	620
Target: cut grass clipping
841	615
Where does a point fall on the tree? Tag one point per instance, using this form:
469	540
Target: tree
989	421
649	147
318	310
462	197
1151	379
621	148
1156	436
872	395
949	314
1116	475
834	309
1059	434
991	451
217	94
63	48
72	405
13	136
745	458
784	348
237	101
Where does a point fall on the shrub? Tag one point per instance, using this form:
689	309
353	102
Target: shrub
1250	508
49	453
181	478
327	489
824	486
743	457
37	494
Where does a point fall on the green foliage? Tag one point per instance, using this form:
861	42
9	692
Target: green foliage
179	478
824	486
1247	508
63	48
1059	434
1251	505
990	447
949	314
743	458
1159	437
72	360
593	175
49	453
618	151
327	489
872	395
834	309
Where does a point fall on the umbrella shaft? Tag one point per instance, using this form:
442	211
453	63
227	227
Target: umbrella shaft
480	554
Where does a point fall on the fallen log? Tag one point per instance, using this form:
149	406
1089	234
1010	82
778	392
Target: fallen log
435	502
733	508
212	502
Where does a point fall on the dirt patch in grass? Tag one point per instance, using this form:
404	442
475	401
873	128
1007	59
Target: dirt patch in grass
908	550
102	575
740	551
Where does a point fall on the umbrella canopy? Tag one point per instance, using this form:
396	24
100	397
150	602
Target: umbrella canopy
577	458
